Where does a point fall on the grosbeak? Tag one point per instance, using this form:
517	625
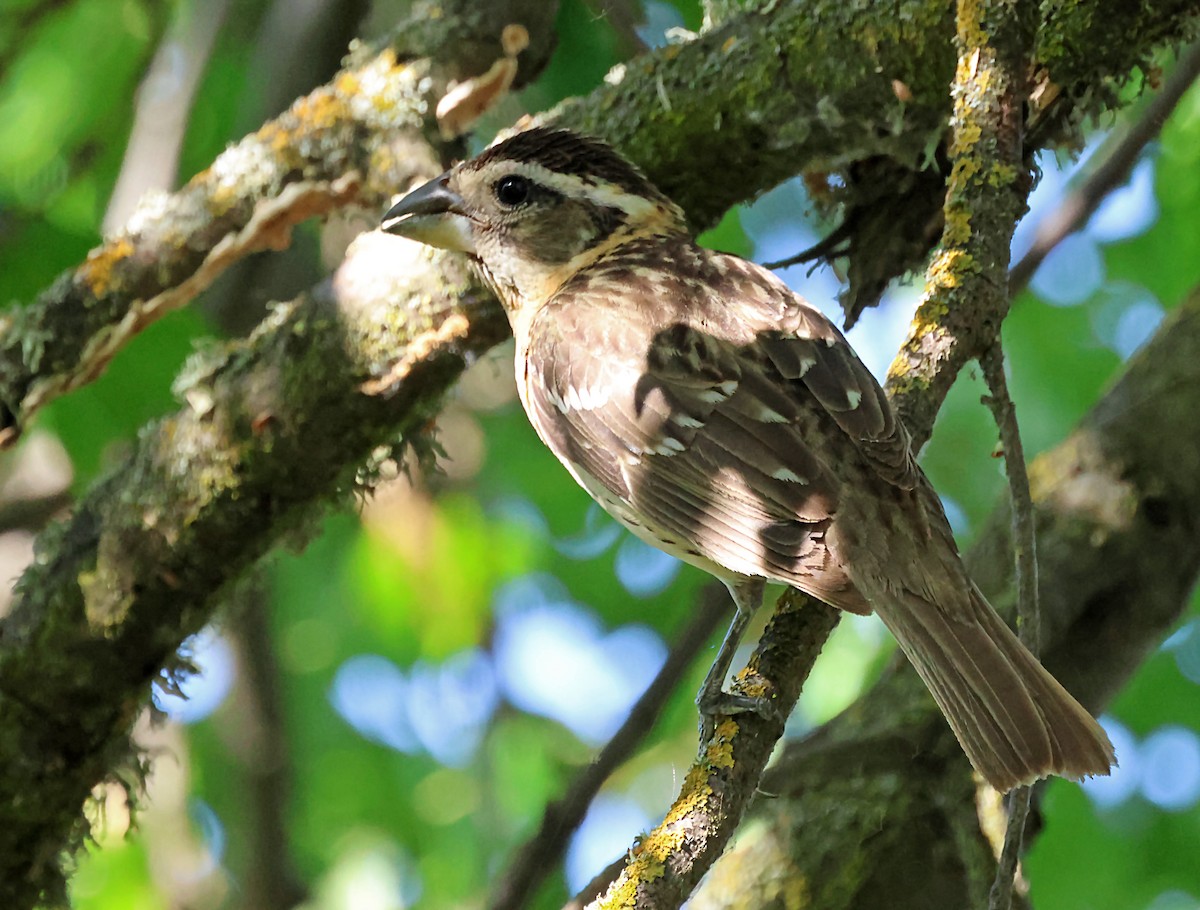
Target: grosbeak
719	417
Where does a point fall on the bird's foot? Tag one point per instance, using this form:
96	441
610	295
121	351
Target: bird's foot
719	703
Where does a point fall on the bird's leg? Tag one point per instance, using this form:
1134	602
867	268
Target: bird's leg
713	700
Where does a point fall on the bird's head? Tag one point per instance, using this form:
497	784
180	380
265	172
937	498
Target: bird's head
534	210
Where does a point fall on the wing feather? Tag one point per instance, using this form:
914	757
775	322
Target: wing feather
722	440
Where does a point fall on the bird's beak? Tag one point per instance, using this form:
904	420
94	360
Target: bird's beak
433	214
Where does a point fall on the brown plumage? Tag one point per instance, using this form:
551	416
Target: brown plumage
721	418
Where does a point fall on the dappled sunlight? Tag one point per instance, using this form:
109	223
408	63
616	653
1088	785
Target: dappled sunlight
202	692
554	658
1171	768
1122	783
642	569
368	872
1072	273
1128	211
598	534
442	709
1162	767
369	692
1185	645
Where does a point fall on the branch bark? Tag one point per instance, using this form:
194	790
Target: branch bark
350	143
277	427
966	284
816	88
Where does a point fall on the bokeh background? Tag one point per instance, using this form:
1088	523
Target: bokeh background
399	697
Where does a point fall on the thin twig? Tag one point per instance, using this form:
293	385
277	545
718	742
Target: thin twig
987	194
1024	536
542	852
623	17
1074	211
835	243
1079	204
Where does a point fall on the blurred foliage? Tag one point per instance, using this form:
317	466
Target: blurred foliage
67	73
431	587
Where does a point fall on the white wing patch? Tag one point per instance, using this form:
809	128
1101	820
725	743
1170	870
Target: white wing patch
787	475
719	392
766	414
579	399
669	446
686	421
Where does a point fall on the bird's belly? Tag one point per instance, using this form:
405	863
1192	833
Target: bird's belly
659	538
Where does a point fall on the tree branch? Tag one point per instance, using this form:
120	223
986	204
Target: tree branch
665	865
353	142
1083	200
148	553
966	284
801	99
1028	613
277	426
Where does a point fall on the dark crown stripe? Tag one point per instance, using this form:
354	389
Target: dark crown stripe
565	152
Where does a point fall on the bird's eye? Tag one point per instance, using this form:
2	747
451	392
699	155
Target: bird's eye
512	190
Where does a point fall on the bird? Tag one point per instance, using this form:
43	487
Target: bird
723	419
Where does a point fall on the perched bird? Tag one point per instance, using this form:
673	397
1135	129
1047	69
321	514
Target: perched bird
723	419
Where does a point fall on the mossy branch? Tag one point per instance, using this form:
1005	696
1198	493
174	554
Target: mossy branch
779	87
351	143
966	284
278	426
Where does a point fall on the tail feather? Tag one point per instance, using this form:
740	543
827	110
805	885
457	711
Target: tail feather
1013	719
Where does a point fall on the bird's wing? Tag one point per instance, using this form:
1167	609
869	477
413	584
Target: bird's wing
809	348
804	346
705	445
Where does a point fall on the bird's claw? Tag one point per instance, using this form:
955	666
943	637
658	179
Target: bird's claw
714	705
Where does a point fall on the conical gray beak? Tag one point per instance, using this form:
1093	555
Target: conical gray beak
432	214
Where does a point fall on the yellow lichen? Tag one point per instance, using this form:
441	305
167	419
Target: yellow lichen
901	380
347	83
648	859
1001	175
965	167
720	751
749	682
957	231
965	138
97	271
971	32
320	110
927	324
946	271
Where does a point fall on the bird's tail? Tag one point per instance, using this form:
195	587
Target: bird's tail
1014	720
